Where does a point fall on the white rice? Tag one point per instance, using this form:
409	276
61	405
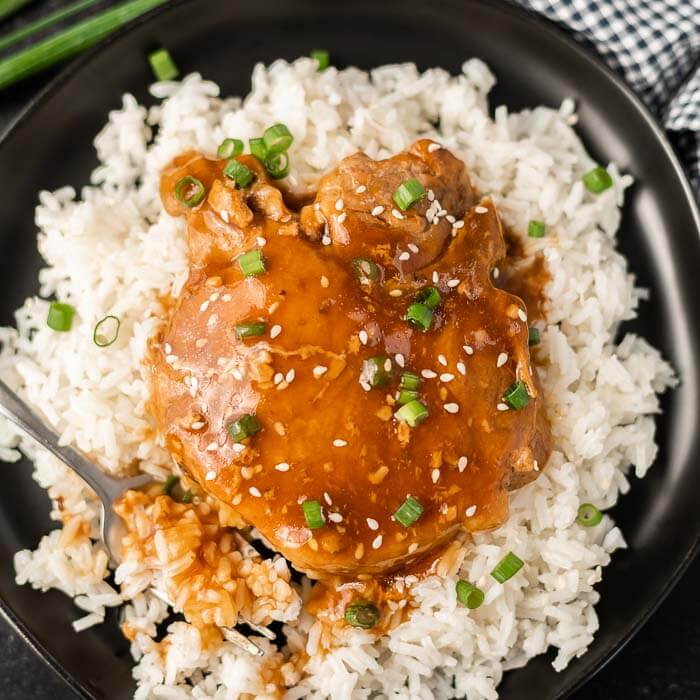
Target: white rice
113	251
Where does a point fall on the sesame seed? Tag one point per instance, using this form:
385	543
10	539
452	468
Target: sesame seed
211	321
400	361
212	447
197	425
238	448
435	475
496	273
365	385
442	360
224	215
413	247
319	370
327	498
446	377
431	195
387	365
502	407
204	306
226	297
470	511
261	241
335	517
279	428
405	256
379	209
339	443
462	463
451	218
481	210
535	465
210	476
468	349
451	407
361	189
372	524
436	277
396	214
458	224
434	147
339	205
461	368
324	282
412	547
342	217
443	509
317	206
237	374
168	348
275	330
428	374
290	376
377	543
395	293
522	315
282	467
200	342
326	240
502	359
452	283
364	337
278	378
254	491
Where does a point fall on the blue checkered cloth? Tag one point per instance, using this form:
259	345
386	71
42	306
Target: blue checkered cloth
655	46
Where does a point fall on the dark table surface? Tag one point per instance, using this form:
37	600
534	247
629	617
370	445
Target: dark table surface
662	662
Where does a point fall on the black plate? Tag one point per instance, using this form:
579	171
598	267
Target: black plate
535	64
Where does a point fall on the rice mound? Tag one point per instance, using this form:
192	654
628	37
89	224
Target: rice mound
112	250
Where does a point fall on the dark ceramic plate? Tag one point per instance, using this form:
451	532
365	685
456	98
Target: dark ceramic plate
535	64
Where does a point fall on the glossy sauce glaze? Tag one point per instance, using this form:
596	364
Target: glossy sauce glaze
326	435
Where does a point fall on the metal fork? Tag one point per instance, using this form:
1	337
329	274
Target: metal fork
108	490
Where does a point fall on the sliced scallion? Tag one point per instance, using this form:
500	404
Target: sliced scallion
170	483
377	371
597	180
469	595
588	515
257	148
430	297
413	413
239	173
277	139
365	270
419	316
410	381
187	497
106	331
406	396
189	191
322	57
163	66
535	229
533	336
516	395
230	148
362	614
252	263
244	427
60	317
313	514
507	568
408	193
277	166
250	330
409	511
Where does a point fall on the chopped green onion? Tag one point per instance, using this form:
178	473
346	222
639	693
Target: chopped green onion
362	614
406	396
597	180
230	148
469	595
277	139
516	395
507	568
430	297
106	331
187	497
409	381
376	371
408	193
71	41
366	270
313	514
60	316
169	484
244	427
258	148
420	316
252	263
7	7
277	166
322	57
533	336
163	66
189	191
413	412
588	515
535	229
239	173
409	511
250	330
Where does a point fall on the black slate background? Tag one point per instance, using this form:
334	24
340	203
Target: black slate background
661	663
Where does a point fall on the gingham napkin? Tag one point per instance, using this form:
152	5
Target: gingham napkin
655	46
